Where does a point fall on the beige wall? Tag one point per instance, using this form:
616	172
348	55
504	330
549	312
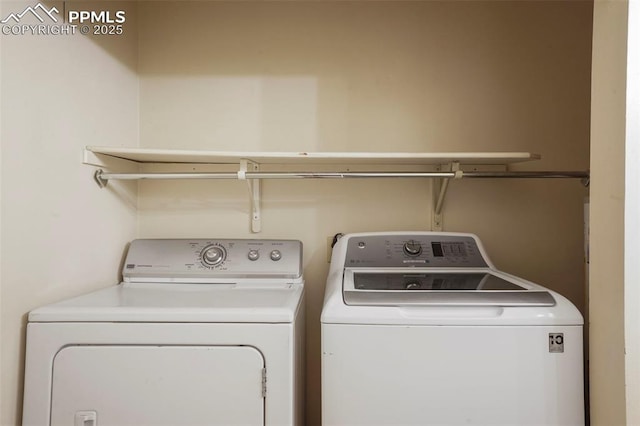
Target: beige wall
376	76
321	76
606	277
61	235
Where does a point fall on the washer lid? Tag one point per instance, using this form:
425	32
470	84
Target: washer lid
432	287
275	302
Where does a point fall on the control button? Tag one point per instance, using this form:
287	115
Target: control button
412	285
412	248
253	254
213	255
275	255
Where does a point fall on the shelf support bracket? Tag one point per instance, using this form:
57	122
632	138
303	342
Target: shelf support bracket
97	177
438	203
253	185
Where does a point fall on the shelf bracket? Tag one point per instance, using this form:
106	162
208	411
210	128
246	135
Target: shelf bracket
101	181
442	185
253	185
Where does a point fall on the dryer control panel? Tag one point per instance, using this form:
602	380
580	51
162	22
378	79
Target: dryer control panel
211	260
413	250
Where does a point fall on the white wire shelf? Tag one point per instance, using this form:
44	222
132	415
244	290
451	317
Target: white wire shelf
448	165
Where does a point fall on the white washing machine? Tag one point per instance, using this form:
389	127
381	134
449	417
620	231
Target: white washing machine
201	332
421	329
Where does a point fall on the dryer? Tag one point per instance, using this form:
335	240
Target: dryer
200	332
420	328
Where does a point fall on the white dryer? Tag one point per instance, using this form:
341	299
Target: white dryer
201	332
421	329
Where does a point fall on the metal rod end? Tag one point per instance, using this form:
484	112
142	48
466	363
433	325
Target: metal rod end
97	176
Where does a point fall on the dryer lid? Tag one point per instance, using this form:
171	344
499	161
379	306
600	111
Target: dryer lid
438	288
276	302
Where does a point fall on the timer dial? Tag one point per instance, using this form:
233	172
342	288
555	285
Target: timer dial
412	248
213	255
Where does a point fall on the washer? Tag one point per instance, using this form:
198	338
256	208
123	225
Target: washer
421	329
200	332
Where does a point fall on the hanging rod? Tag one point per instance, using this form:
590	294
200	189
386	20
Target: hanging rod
102	177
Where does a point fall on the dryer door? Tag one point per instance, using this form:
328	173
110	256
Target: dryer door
157	385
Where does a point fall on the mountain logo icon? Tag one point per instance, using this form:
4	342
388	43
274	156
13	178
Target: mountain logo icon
39	11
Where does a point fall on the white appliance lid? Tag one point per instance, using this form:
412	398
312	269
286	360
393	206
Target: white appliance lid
275	302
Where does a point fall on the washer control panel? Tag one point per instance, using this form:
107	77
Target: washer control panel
204	260
413	250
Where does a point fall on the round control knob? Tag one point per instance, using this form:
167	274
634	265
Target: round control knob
412	248
213	255
253	255
412	285
275	255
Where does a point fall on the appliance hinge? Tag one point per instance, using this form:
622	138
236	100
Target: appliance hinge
264	382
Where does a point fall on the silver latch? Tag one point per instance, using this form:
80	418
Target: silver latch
85	418
264	382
